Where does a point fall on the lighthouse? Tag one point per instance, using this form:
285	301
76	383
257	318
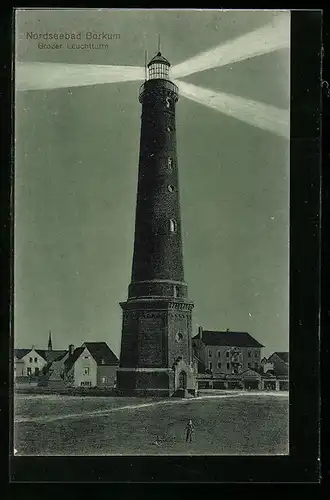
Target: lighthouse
156	351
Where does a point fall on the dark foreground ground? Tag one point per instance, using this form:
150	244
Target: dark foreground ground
226	424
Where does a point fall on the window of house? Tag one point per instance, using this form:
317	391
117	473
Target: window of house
249	354
29	371
228	366
256	366
219	364
172	226
86	383
249	365
86	357
36	371
227	354
219	354
255	354
210	365
35	360
210	353
86	371
103	380
31	360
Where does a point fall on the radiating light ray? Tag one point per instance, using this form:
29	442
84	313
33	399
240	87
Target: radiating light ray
273	36
254	113
42	76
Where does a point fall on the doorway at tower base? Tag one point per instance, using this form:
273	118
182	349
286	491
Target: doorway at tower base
178	381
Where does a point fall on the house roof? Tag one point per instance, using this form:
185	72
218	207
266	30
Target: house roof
228	338
20	353
47	355
69	362
61	356
102	353
284	356
52	355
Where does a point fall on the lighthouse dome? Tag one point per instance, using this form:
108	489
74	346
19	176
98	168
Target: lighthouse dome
159	59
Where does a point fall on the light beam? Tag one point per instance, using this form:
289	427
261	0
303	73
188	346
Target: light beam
254	113
273	36
42	76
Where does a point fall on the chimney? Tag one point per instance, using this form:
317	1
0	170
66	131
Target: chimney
71	349
200	332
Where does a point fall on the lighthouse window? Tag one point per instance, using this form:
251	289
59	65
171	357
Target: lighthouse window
179	336
168	102
172	225
158	71
170	188
169	162
169	129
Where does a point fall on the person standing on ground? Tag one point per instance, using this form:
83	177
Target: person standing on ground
189	431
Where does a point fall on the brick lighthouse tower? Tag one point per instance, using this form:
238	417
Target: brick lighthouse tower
156	351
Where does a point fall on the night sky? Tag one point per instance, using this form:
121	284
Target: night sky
76	177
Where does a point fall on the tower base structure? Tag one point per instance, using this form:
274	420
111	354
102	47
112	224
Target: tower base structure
156	351
157	383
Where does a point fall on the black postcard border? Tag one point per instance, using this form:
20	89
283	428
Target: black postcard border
302	465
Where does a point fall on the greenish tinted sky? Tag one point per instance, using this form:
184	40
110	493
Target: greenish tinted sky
76	174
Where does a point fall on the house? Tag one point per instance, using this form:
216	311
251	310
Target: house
53	373
31	362
226	352
91	365
277	364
